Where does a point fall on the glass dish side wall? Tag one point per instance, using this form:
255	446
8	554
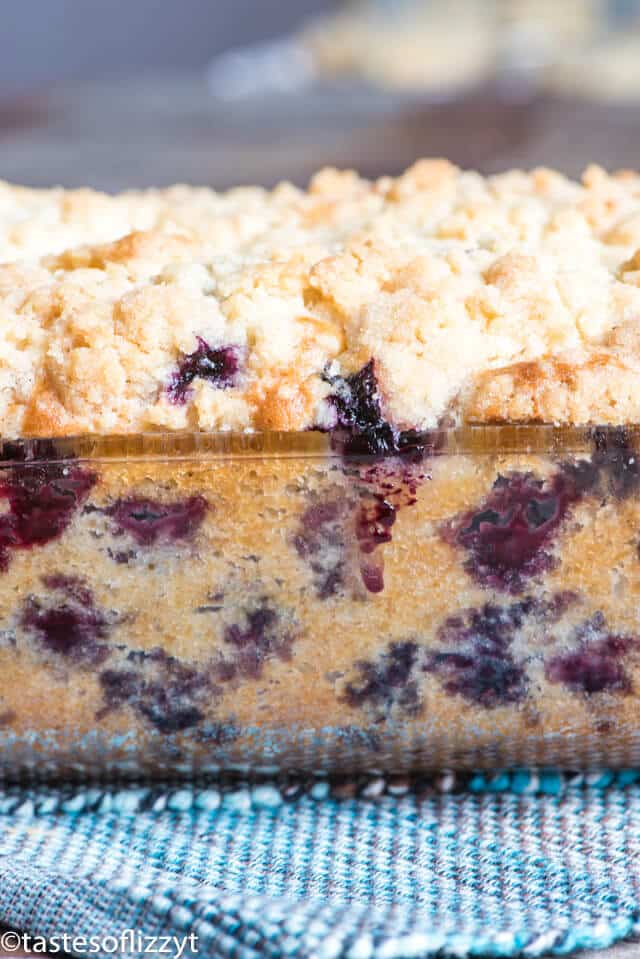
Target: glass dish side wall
268	604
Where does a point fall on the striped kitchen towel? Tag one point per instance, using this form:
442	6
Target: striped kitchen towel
505	865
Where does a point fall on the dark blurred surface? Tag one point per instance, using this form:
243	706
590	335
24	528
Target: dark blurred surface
155	132
52	41
114	95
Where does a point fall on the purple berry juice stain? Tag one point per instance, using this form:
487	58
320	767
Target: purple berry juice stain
174	696
361	433
509	537
478	661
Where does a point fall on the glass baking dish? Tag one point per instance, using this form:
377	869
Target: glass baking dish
172	604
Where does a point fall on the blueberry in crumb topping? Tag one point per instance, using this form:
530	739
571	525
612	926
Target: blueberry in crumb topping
42	499
596	662
357	404
509	535
150	521
361	428
388	682
75	627
220	367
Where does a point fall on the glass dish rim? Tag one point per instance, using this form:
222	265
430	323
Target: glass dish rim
470	439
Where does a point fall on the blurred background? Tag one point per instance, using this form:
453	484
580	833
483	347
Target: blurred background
149	92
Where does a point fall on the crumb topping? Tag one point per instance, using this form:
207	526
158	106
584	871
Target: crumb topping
509	298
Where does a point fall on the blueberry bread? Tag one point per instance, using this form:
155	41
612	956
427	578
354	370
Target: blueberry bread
339	478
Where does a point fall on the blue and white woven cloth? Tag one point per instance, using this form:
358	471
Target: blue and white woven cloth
514	865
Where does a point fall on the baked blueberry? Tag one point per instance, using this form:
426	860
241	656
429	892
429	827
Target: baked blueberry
262	636
321	541
389	683
73	626
479	665
164	691
595	663
150	521
42	499
509	537
360	427
219	366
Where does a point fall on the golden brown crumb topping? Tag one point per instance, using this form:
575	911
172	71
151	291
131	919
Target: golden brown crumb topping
514	297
